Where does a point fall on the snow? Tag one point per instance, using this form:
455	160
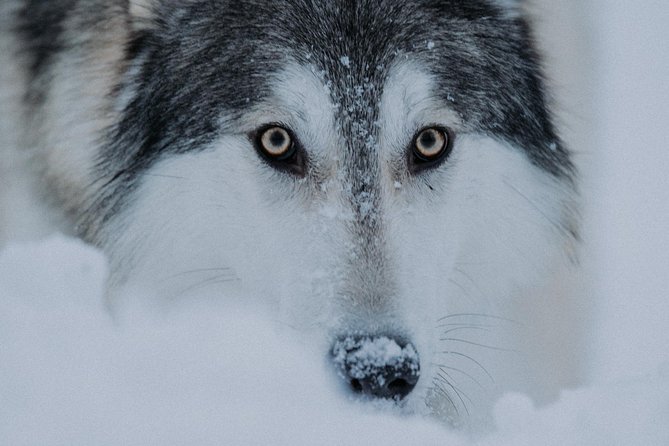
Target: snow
632	256
207	374
613	65
212	373
216	373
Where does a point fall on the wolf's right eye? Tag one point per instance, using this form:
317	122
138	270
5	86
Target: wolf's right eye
280	149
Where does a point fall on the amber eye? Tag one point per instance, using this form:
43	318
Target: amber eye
429	148
280	149
430	143
276	142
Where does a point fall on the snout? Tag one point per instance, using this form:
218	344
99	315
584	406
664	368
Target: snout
377	366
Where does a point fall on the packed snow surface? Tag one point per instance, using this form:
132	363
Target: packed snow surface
219	373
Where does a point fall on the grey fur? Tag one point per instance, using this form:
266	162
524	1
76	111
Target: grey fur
208	58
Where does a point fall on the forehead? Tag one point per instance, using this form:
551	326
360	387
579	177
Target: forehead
227	56
353	43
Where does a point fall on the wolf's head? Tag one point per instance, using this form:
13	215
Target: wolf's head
386	174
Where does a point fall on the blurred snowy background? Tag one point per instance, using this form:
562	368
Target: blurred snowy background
611	61
71	375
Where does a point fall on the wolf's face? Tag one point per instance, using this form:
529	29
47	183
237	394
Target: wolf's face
385	174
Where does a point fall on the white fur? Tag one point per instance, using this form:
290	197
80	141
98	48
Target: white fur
481	242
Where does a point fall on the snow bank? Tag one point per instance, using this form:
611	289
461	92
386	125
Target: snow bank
208	373
219	373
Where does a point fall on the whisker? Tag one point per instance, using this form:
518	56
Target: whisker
478	345
483	262
165	176
207	282
459	393
476	381
481	315
536	207
200	270
472	360
464	324
473	282
462	288
437	386
469	327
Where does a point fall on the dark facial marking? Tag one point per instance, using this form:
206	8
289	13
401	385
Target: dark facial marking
40	25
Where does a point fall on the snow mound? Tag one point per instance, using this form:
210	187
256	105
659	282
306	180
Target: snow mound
217	373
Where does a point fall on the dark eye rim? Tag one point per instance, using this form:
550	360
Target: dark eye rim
293	161
417	161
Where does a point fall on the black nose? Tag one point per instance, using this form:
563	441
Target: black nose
377	366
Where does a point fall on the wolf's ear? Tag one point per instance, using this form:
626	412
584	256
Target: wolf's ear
513	8
142	12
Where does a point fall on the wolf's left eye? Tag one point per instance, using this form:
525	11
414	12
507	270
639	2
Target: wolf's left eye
430	146
276	142
280	149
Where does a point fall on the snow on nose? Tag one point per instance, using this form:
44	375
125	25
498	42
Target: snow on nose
377	366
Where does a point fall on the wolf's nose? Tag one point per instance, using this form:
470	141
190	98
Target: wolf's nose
377	366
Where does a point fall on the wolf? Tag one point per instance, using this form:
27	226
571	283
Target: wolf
385	175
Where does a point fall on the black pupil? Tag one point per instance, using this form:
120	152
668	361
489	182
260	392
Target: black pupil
277	138
428	140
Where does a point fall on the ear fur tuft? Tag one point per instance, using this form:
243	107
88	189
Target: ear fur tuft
513	8
141	12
